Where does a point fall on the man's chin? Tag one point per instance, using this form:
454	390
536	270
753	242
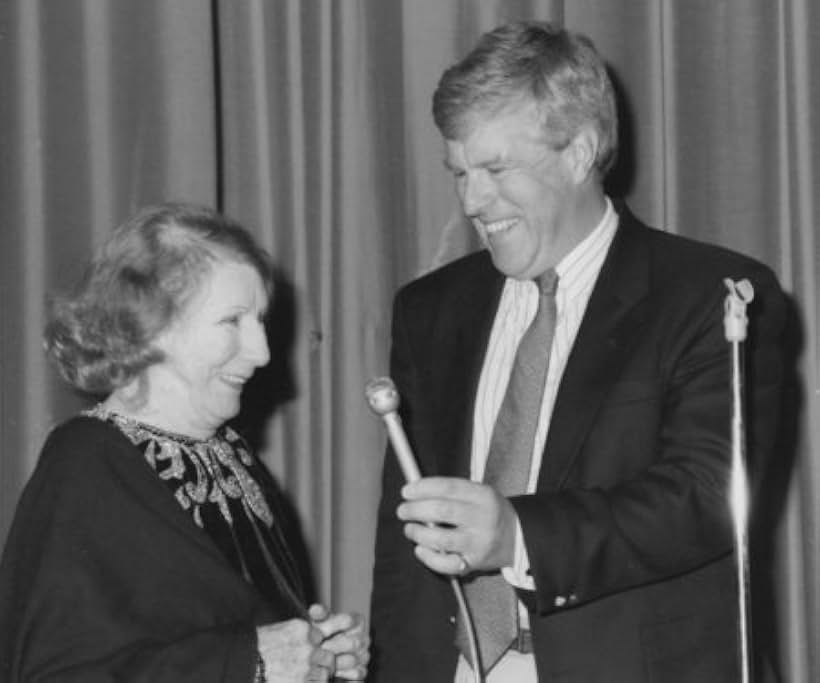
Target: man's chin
508	269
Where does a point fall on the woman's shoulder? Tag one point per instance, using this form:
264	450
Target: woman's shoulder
79	458
83	430
82	442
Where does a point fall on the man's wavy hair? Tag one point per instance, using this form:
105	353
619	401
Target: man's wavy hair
536	62
101	336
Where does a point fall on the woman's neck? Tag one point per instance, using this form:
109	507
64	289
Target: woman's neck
133	401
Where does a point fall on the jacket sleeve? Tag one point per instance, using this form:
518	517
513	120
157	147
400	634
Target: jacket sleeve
662	507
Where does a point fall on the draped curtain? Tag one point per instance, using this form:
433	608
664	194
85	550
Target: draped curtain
309	121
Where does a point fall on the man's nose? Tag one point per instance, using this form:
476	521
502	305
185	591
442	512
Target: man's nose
477	193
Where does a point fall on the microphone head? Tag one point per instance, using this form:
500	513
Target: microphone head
745	290
381	395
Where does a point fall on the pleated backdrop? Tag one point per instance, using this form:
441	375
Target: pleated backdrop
309	121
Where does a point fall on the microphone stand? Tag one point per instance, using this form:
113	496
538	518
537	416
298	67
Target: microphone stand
735	324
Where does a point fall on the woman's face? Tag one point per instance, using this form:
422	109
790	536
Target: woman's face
210	352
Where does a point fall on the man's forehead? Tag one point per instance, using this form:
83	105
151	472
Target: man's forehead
473	152
495	138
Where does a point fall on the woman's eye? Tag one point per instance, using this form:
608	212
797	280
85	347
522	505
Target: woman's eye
231	320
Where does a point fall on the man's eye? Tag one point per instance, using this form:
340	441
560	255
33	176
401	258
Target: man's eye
496	170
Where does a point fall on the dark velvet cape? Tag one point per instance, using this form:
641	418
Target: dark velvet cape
105	577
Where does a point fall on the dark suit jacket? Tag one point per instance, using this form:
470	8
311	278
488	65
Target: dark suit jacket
629	533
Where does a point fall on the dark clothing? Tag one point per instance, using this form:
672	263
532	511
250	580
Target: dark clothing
105	577
230	496
629	532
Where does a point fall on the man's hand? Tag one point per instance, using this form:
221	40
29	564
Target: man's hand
458	525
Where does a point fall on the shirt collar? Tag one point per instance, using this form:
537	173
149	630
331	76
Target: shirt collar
590	250
580	267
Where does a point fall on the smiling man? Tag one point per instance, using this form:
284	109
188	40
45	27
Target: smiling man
566	391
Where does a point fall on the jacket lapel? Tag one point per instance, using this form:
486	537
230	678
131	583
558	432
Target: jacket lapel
613	322
467	339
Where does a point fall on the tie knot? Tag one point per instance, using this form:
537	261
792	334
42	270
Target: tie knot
547	282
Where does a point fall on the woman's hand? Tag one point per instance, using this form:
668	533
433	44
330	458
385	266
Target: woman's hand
346	637
292	653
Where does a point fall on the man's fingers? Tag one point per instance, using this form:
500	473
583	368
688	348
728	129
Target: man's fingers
435	511
439	539
444	563
440	487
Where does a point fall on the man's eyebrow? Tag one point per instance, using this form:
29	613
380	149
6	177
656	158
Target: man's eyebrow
498	159
495	160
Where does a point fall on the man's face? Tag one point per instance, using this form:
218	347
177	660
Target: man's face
517	190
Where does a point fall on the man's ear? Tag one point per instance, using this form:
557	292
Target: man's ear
582	152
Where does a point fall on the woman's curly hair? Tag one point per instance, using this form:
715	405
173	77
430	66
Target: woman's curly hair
101	336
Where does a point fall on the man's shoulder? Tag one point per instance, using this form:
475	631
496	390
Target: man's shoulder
460	274
673	253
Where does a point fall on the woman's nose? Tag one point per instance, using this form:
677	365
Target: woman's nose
256	344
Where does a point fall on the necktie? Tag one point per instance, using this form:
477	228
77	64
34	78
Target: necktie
492	600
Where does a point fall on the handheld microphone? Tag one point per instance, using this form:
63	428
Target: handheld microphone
383	399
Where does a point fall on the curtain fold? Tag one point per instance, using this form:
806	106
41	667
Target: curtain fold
798	542
105	107
309	121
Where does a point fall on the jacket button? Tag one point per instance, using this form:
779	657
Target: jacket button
560	601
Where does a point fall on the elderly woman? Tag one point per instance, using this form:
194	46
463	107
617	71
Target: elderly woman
147	545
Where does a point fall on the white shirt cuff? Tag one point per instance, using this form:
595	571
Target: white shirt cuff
517	575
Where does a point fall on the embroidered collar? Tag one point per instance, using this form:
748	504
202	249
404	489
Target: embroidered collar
200	472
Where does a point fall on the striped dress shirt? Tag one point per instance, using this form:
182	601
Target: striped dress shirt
577	273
